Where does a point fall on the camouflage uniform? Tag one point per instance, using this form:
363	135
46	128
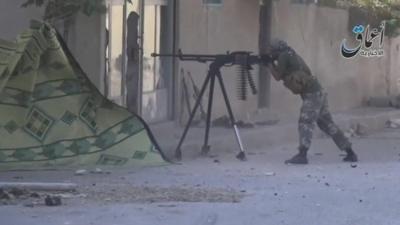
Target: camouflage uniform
297	77
315	110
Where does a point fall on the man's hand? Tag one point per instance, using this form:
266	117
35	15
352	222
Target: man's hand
266	59
271	62
272	68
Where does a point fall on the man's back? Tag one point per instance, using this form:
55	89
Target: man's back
295	73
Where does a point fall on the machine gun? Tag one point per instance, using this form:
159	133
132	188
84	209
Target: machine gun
244	61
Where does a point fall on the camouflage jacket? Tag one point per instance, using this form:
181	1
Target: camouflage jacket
295	73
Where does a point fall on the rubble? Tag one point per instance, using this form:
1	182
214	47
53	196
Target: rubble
261	117
384	102
350	133
361	129
393	123
269	174
158	194
242	124
4	195
357	130
224	121
99	171
81	172
34	195
37	186
17	192
52	200
29	204
13	196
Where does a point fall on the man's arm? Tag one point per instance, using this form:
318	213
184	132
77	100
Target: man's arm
279	67
274	73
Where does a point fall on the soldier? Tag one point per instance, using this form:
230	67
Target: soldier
286	65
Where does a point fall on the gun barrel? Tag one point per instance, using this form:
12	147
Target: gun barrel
164	55
228	57
188	57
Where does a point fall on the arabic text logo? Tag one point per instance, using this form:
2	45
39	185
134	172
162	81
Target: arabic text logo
358	29
367	46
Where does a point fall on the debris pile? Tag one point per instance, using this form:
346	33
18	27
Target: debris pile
393	123
262	117
15	195
357	130
36	194
384	102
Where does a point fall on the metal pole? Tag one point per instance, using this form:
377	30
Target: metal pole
264	96
141	55
124	55
175	62
109	86
178	151
206	147
241	155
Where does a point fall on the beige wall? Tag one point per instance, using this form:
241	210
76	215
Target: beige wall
216	30
315	32
87	43
14	19
85	38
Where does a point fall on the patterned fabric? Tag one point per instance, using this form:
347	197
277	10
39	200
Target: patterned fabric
51	115
295	73
315	110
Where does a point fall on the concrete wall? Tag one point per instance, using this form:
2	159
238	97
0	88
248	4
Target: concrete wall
315	32
85	38
87	43
216	30
14	19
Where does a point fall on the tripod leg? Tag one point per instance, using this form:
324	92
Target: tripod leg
241	155
206	148
178	152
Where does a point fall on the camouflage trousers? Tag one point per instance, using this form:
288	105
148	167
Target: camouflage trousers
314	110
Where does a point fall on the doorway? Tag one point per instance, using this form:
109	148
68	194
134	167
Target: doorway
135	79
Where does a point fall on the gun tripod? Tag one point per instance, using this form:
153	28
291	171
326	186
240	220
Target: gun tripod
244	60
213	74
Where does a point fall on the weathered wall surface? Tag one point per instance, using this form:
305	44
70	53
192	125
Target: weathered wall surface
216	30
315	32
87	43
14	19
85	39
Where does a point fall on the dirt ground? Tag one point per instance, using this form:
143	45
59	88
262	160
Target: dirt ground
219	190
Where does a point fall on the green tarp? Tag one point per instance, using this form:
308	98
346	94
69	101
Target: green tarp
51	115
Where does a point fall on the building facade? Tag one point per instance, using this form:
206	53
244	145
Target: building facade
116	62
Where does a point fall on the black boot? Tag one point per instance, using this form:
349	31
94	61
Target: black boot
300	158
351	156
